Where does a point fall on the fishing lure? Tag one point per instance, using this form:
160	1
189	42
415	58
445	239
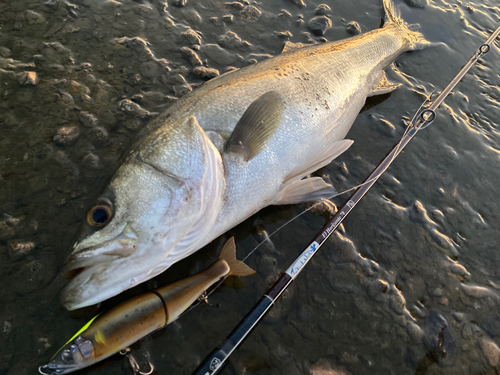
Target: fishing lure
115	330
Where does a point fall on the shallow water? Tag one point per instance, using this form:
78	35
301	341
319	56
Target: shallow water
409	285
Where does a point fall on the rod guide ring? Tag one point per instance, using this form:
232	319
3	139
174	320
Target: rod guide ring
485	48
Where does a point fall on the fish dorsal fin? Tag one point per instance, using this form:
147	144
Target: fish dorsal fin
236	267
289	46
319	160
384	86
256	126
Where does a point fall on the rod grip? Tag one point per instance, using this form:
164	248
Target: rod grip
212	363
212	366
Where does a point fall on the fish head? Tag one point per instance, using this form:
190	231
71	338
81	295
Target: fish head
75	355
151	204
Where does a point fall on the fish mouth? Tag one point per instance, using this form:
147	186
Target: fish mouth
88	287
122	246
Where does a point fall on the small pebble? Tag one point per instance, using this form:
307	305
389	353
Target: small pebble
149	69
98	133
285	34
66	135
250	13
325	367
231	40
234	5
490	351
28	78
180	3
34	18
131	108
443	301
205	72
181	90
19	248
353	28
459	316
7	327
414	331
284	14
190	37
459	270
377	289
477	291
299	3
91	161
397	302
66	98
132	124
319	25
191	56
106	117
322	10
5	52
228	18
88	119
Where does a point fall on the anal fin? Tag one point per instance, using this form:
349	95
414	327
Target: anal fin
384	86
297	190
309	189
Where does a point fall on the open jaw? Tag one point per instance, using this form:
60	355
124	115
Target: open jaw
97	278
94	271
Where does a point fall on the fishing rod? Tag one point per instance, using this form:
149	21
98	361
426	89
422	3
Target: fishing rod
216	360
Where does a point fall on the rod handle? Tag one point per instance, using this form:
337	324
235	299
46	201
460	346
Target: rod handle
216	364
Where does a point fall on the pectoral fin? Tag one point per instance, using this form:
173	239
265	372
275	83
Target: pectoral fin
384	86
309	189
256	126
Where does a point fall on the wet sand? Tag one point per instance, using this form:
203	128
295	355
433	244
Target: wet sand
409	285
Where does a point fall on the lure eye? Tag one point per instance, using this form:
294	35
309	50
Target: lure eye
67	356
101	213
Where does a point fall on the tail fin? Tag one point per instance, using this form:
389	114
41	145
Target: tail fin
392	17
237	268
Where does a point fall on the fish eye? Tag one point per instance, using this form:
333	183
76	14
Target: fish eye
101	213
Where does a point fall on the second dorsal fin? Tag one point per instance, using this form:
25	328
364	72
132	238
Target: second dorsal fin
256	126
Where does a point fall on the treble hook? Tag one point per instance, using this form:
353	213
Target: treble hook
204	298
133	362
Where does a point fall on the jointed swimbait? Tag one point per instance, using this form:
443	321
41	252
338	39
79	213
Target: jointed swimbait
108	333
